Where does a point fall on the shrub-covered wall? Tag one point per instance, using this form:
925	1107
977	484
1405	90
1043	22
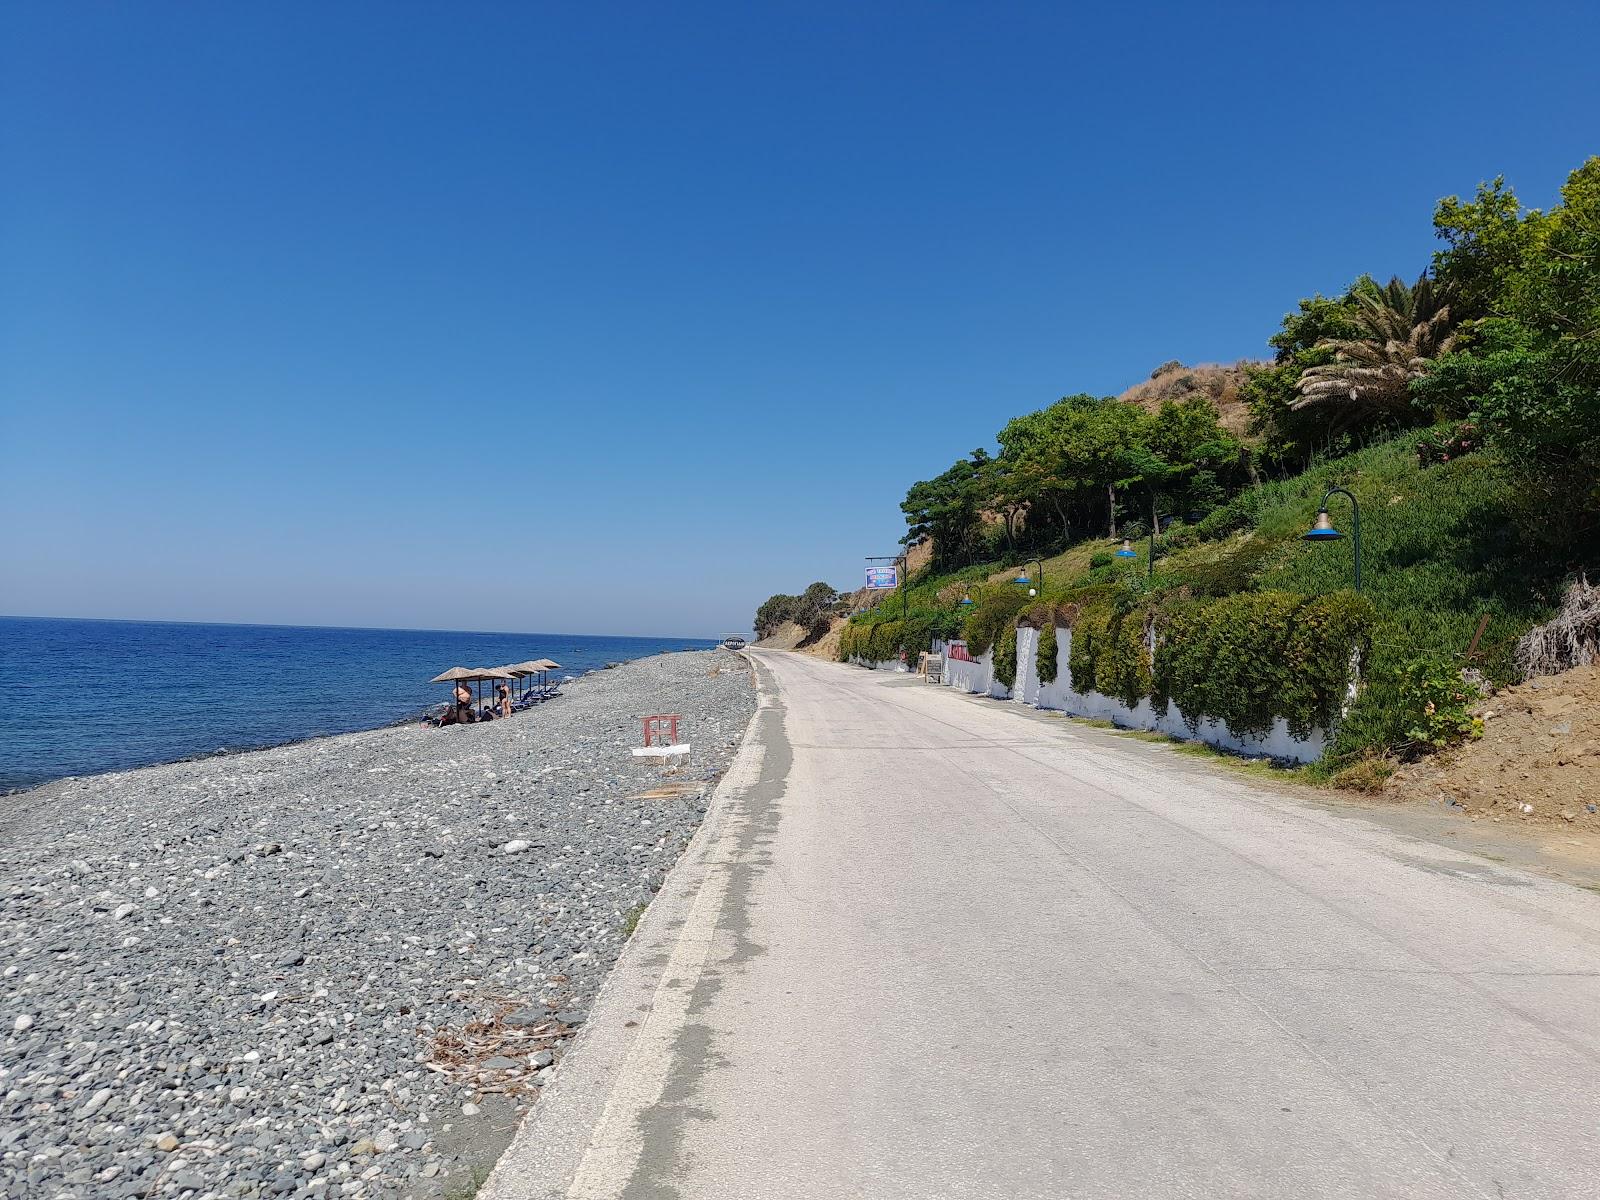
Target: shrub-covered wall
881	640
1244	659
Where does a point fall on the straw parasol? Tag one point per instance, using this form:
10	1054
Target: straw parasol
450	676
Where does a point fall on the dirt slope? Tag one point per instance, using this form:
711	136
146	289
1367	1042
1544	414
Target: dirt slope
1540	751
1174	381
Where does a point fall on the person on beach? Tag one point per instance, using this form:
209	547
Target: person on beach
503	695
463	712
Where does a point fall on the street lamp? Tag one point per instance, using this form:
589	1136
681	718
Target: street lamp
1022	579
1323	531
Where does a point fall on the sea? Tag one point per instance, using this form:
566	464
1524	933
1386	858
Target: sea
86	697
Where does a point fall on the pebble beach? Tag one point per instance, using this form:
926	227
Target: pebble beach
340	968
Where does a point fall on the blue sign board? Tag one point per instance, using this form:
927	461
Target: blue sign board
883	578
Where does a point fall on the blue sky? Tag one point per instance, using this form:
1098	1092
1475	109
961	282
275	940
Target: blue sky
618	318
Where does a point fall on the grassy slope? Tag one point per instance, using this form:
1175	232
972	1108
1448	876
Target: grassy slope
1441	547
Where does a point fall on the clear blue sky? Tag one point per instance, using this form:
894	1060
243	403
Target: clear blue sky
618	318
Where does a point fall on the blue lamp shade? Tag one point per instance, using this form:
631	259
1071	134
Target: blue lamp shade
1322	530
1127	550
1022	579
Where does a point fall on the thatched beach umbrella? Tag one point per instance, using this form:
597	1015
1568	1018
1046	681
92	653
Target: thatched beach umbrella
489	673
452	676
526	670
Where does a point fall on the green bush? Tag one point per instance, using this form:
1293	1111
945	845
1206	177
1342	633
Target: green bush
878	638
1088	629
1440	703
1045	660
1005	658
992	616
1122	657
1249	658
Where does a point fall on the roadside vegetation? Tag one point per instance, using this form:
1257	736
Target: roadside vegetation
1461	408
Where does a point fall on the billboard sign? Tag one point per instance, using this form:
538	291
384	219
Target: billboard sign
881	579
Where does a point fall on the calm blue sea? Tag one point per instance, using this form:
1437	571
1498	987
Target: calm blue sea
78	697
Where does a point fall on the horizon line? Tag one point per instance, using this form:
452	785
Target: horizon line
659	637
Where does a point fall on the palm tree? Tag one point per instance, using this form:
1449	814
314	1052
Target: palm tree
1402	329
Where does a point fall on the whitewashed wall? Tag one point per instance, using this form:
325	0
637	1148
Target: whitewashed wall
1061	696
1027	689
974	675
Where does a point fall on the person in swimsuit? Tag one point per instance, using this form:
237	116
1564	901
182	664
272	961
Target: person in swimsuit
463	703
503	694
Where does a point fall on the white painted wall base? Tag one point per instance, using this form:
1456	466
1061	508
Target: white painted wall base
1060	696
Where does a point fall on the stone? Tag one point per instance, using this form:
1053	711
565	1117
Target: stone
517	846
314	1160
96	1103
167	1143
500	1063
22	1024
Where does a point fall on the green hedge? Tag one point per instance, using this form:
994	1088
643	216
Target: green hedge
993	617
1045	660
1249	658
883	640
1005	658
1244	659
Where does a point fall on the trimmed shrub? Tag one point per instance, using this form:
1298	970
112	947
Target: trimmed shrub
1005	658
1122	657
1250	658
1087	632
992	616
1044	662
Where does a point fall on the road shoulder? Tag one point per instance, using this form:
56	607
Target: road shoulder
589	1132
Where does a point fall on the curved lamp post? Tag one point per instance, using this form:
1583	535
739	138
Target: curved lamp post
1022	579
1323	531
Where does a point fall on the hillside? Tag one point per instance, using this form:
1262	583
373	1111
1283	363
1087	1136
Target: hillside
1358	535
1173	382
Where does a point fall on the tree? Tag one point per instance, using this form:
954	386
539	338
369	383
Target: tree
1189	454
1530	365
947	508
1487	243
814	608
1401	330
774	611
1285	437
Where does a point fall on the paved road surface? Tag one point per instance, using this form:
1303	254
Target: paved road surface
929	946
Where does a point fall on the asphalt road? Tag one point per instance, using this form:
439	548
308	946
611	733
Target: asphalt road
933	946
